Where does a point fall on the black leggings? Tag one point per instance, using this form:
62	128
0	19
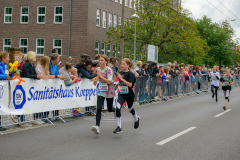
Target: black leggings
120	102
216	89
100	102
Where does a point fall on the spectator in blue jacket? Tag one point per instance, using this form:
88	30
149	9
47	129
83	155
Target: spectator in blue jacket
4	73
54	59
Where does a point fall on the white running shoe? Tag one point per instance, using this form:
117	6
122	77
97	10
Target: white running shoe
96	129
37	121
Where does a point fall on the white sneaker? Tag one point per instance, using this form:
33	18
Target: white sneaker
25	125
96	129
42	122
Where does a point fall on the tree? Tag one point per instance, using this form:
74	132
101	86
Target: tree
159	24
219	38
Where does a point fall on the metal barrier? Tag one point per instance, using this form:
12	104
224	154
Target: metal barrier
152	89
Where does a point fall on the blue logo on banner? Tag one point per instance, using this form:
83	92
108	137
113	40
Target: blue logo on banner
19	97
1	91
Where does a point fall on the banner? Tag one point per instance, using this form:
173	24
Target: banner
35	96
4	98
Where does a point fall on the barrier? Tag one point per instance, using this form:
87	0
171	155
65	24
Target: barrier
149	89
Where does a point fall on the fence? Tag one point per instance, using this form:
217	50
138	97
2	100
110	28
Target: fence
149	89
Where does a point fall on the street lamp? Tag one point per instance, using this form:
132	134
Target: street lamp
135	16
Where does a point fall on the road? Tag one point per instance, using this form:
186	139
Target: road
183	129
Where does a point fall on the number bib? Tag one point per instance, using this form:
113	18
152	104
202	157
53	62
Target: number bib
214	78
225	83
103	87
123	90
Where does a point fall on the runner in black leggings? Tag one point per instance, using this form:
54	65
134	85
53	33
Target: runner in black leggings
226	81
126	83
105	90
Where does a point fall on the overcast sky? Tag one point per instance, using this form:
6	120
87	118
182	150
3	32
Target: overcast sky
199	8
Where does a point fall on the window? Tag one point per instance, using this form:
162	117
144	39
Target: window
98	17
104	19
58	15
6	44
57	44
103	48
24	45
110	20
24	15
120	2
108	49
114	50
40	46
8	15
41	15
130	3
115	21
126	3
116	1
120	21
96	47
118	51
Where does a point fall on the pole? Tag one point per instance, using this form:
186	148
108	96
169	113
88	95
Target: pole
135	42
122	34
69	29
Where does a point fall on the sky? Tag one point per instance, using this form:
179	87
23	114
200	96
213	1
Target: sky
199	8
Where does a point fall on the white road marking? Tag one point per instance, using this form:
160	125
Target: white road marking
176	136
223	113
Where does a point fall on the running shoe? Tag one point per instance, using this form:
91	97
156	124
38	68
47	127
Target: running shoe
216	99
117	130
96	129
136	124
224	108
213	95
228	100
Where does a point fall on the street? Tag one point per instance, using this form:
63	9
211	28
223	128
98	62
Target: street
191	128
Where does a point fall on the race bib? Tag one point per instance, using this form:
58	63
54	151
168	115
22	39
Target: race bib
123	90
214	78
225	83
103	87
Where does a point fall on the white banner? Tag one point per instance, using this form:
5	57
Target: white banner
4	98
152	53
35	96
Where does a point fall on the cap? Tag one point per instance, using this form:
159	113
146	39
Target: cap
95	61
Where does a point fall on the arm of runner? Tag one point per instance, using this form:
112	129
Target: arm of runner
104	79
124	81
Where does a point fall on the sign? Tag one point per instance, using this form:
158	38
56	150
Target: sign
4	98
35	96
152	53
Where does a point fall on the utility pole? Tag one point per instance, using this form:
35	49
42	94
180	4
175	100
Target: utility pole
122	34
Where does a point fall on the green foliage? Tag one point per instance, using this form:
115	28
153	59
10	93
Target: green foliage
172	30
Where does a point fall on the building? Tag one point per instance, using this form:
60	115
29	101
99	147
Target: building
74	27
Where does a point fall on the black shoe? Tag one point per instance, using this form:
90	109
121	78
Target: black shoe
136	124
2	129
224	108
216	99
117	130
213	95
228	100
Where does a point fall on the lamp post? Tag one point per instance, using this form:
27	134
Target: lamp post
135	16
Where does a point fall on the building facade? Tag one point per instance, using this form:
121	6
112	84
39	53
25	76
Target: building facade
74	27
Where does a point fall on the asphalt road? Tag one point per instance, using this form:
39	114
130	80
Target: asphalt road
183	129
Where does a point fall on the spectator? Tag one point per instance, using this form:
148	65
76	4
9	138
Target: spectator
4	73
83	70
143	84
53	66
66	72
160	82
28	69
97	57
114	64
138	80
154	74
22	63
131	69
94	66
42	67
74	74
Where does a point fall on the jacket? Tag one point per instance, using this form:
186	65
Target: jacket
2	71
152	71
28	70
83	72
53	69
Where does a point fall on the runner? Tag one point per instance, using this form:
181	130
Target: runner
105	90
214	78
126	83
226	81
